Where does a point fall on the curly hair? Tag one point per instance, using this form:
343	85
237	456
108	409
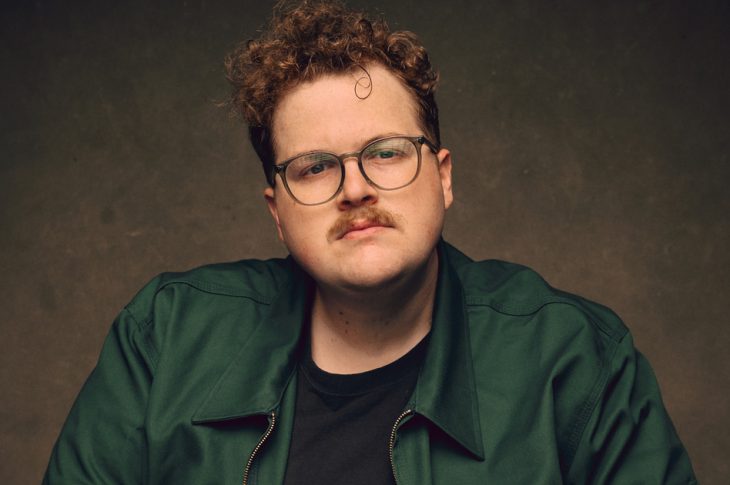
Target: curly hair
315	38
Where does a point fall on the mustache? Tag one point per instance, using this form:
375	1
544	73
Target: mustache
370	215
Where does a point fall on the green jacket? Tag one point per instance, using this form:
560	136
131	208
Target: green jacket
521	384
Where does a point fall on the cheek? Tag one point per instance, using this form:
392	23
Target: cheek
430	207
432	199
301	229
422	219
303	236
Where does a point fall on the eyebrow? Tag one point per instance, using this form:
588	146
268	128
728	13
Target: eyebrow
381	135
363	144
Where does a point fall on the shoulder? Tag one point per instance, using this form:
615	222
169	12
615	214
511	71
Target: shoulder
526	335
205	313
247	282
514	290
570	364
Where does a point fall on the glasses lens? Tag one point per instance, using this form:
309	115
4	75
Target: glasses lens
391	163
313	178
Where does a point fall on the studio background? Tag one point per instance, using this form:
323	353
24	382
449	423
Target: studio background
590	142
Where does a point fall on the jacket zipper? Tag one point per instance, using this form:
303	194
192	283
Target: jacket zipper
391	443
264	437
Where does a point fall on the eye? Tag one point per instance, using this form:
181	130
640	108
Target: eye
316	168
391	150
315	165
387	153
383	153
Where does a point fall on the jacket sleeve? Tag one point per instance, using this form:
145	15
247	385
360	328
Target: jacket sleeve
103	439
629	437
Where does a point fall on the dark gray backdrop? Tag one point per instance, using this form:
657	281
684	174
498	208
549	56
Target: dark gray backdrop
590	142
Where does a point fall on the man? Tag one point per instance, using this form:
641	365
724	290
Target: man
376	353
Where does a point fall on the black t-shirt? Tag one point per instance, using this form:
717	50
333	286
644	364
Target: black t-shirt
342	423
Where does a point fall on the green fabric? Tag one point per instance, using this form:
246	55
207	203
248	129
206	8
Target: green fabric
521	384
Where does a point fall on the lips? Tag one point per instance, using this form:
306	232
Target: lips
360	227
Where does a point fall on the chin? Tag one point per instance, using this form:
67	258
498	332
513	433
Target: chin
368	264
369	281
377	270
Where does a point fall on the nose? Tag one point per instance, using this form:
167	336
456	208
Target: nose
356	191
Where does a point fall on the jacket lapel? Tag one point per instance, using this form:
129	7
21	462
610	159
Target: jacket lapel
446	390
255	380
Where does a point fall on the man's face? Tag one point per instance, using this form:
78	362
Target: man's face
364	237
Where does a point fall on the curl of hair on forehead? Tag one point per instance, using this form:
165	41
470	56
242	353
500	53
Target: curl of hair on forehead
363	84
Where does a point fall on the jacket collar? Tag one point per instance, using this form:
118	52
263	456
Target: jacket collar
255	380
445	393
446	390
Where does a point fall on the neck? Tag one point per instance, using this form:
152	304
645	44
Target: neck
357	331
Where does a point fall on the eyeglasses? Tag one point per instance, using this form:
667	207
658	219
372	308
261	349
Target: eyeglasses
387	163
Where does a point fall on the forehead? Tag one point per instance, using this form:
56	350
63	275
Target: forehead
338	113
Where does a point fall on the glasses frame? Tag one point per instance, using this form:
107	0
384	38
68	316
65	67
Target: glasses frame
418	142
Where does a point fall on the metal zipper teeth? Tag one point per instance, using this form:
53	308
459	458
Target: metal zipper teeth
264	437
391	442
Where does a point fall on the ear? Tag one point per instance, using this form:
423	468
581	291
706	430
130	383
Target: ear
444	158
270	196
